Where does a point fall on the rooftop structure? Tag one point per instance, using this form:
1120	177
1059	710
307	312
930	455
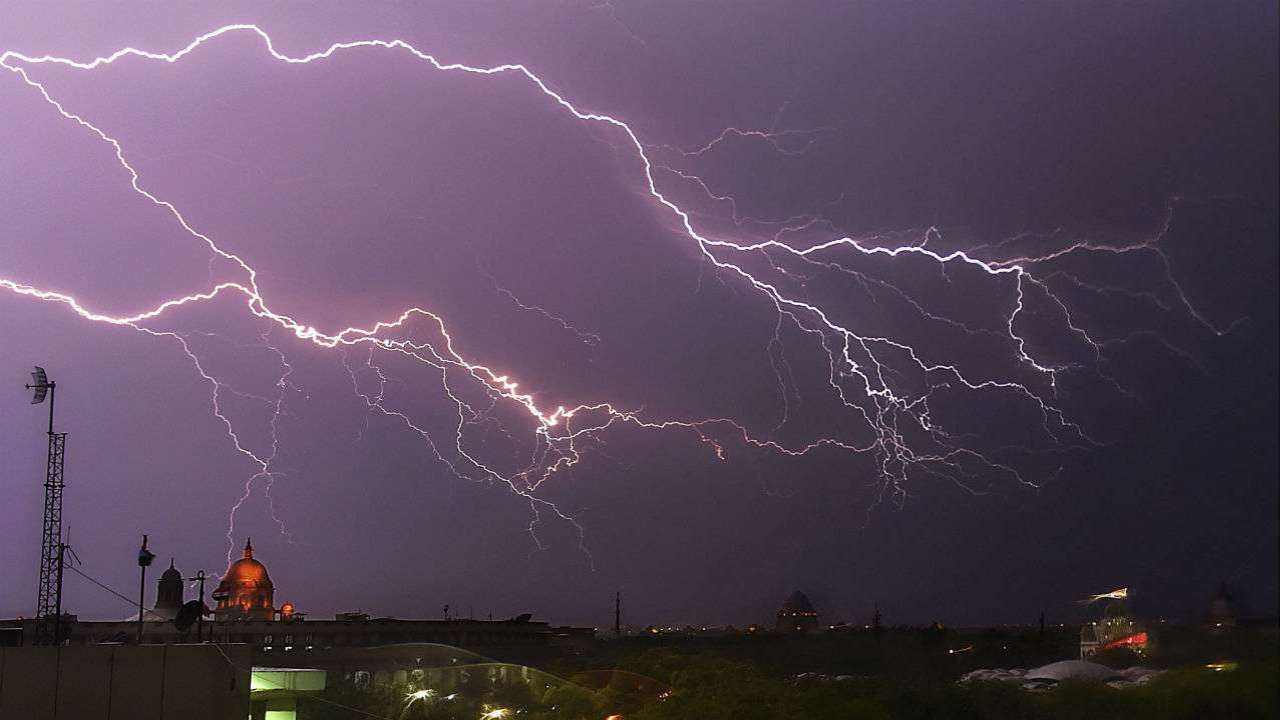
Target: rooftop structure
169	593
797	615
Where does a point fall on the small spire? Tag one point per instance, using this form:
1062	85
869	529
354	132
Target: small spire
171	567
248	548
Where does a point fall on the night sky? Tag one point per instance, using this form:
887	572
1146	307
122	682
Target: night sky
1084	399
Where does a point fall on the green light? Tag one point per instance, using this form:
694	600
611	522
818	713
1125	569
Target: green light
282	679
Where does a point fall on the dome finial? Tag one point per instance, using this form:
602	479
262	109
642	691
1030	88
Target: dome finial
248	547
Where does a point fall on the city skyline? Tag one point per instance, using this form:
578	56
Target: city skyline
969	329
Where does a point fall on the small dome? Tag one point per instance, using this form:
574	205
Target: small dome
172	573
169	592
798	603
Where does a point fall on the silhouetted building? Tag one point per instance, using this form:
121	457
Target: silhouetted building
169	593
797	615
1222	610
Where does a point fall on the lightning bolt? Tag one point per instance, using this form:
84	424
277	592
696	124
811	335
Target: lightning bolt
1117	594
781	141
862	369
586	338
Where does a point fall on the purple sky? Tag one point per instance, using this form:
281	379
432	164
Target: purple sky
1112	168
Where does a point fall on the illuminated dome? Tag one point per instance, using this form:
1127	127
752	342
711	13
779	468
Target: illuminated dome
247	570
246	590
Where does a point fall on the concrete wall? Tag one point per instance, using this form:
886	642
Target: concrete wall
124	682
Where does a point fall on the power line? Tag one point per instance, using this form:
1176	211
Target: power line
106	587
130	602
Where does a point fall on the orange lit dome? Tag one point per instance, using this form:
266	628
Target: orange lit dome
246	571
246	587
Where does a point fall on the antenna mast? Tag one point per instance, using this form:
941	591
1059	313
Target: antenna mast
49	597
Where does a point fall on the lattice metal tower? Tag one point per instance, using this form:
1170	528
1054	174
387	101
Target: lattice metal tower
49	599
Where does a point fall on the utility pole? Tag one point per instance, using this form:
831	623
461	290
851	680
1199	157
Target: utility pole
49	595
199	577
617	614
57	627
145	557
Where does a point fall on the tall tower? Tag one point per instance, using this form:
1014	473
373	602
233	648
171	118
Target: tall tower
49	597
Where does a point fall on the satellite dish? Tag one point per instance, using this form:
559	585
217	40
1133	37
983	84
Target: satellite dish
188	614
39	384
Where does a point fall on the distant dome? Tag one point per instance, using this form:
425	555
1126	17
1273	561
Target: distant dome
797	615
172	573
1222	608
798	603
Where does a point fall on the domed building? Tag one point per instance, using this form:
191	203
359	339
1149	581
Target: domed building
1222	610
797	615
169	593
245	591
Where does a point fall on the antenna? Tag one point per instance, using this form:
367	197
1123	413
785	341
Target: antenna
49	595
199	577
41	385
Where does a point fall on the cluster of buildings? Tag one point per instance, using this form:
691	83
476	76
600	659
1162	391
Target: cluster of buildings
270	651
1114	628
797	616
250	655
246	612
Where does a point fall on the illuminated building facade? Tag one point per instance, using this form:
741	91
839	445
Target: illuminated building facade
246	590
1116	630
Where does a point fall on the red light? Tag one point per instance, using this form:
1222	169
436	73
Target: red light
1137	639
